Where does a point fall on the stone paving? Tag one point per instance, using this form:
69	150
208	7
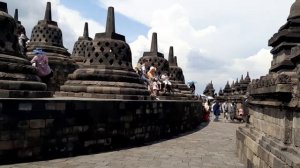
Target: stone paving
210	146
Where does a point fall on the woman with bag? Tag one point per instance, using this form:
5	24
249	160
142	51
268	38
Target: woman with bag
40	61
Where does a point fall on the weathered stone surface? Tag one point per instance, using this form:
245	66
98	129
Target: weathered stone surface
48	36
17	76
56	128
274	103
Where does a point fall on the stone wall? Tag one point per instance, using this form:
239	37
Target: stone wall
271	139
34	129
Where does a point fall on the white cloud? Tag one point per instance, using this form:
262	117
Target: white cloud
213	39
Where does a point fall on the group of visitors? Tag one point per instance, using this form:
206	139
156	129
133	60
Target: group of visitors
40	60
230	110
156	83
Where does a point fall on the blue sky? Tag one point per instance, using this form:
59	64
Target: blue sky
213	40
124	25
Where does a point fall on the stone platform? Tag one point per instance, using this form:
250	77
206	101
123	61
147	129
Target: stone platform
47	128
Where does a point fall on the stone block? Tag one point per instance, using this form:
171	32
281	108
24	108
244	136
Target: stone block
296	137
21	144
32	133
36	124
55	106
23	124
6	145
25	107
49	122
5	135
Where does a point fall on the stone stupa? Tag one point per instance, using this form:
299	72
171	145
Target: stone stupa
80	46
155	58
107	71
48	36
176	75
18	78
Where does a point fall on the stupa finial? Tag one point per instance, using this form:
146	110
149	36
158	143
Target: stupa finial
154	43
110	22
48	15
86	30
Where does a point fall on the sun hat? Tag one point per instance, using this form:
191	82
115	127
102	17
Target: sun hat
38	51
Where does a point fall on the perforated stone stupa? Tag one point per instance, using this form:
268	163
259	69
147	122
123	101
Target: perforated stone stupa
80	46
48	36
155	58
18	78
107	71
176	75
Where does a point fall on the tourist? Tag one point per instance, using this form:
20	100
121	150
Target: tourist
151	75
206	110
225	109
216	110
22	39
40	61
143	73
166	82
155	88
192	87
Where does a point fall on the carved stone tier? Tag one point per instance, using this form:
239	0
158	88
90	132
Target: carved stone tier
48	36
18	78
155	58
107	70
282	42
80	46
273	85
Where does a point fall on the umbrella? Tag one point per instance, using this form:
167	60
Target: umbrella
209	97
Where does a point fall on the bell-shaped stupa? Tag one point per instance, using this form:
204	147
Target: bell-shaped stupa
18	78
48	36
155	58
80	46
107	70
176	75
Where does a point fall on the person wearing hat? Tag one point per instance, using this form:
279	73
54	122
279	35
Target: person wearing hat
40	61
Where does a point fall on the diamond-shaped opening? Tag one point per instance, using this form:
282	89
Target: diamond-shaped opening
120	62
93	49
106	55
99	43
101	49
111	61
100	60
107	44
97	54
91	60
119	51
